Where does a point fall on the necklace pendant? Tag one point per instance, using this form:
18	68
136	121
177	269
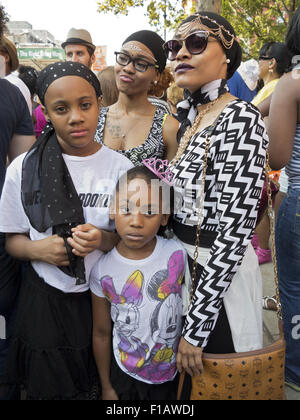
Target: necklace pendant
123	136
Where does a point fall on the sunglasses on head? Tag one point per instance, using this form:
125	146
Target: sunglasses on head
195	43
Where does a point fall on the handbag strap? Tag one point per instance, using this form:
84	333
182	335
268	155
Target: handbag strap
273	246
209	134
200	218
180	385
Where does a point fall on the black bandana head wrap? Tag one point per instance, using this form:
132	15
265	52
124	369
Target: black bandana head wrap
224	32
49	197
155	44
61	69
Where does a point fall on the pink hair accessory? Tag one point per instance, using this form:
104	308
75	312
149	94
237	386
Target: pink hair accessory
161	169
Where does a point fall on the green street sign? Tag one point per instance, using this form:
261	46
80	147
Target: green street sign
41	54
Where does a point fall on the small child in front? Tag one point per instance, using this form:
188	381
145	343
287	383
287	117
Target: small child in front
137	288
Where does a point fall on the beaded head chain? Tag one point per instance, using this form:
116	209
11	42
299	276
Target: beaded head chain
218	30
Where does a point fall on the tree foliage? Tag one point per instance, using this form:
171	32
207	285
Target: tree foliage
160	13
256	21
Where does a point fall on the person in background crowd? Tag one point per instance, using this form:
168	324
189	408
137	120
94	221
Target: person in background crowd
284	132
29	76
9	52
243	84
79	47
110	92
273	61
16	137
39	120
133	126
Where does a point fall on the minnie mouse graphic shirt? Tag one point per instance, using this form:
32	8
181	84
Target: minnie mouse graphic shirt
146	309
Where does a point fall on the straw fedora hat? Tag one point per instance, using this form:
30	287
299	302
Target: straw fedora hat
7	46
80	37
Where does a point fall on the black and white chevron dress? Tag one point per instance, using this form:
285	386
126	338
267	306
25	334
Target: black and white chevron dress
235	177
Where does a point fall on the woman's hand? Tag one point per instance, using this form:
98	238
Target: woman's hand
189	358
51	250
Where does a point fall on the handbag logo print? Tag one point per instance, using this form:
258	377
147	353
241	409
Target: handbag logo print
258	364
200	382
244	395
230	386
244	373
215	374
215	397
229	364
257	383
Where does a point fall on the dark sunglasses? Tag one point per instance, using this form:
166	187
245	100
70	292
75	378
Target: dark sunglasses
195	43
138	63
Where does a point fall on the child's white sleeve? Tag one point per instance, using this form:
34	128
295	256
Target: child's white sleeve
12	216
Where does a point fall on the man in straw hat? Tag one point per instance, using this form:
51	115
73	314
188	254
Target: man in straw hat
79	47
10	54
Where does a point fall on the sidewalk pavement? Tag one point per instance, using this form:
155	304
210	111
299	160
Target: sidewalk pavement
271	332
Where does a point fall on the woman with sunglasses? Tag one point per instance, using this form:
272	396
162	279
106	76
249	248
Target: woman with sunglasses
273	62
133	126
284	132
225	314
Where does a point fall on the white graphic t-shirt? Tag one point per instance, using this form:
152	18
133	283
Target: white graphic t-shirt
146	309
94	178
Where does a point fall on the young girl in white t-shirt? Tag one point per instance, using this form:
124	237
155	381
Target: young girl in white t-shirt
55	213
137	294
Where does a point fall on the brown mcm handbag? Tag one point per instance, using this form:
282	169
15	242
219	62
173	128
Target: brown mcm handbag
256	375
